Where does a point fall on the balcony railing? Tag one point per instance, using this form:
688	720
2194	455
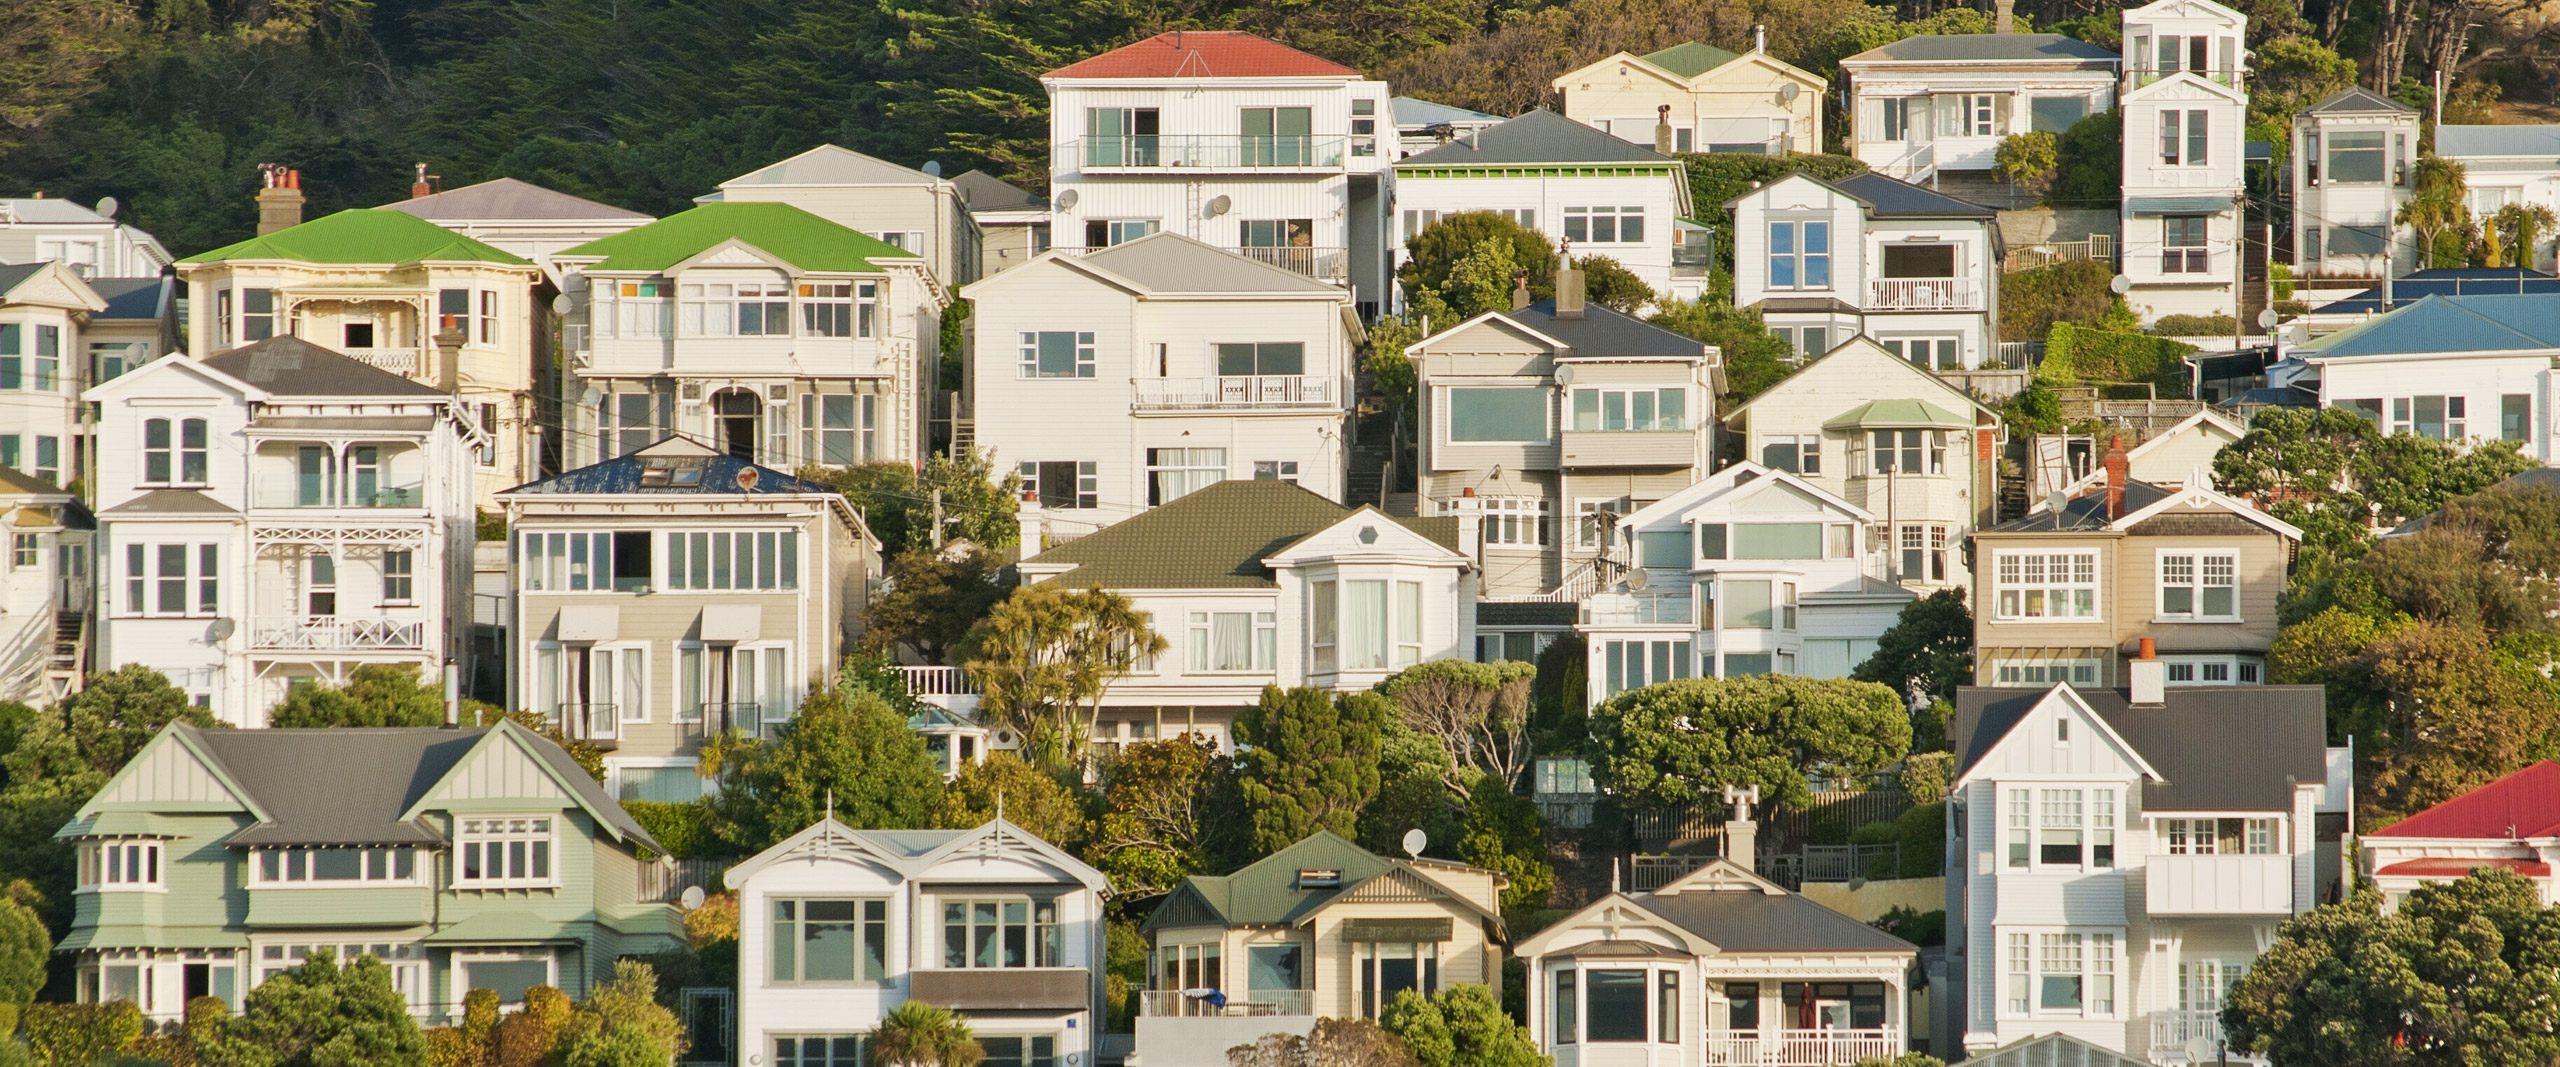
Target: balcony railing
1640	609
938	681
1922	294
599	724
1260	1002
288	492
332	633
1321	264
1237	392
1802	1048
2172	1029
2219	885
1207	152
397	360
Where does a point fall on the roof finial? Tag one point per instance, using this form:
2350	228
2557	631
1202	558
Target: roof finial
999	805
831	804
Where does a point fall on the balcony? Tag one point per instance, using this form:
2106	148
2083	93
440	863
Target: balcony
1321	264
1258	1003
1175	1028
2218	885
1237	392
1004	988
401	360
290	492
1640	609
2172	1030
1141	153
948	688
1923	294
1802	1048
334	633
599	725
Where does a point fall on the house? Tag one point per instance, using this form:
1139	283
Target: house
1119	379
138	325
2067	593
1557	417
1868	255
1595	194
2184	109
2480	357
1925	108
1320	929
519	217
1749	571
2352	155
1422	125
2505	165
782	337
918	212
45	594
276	516
398	293
1013	222
464	858
88	240
2116	859
1717	101
1258	583
2169	459
1228	138
841	925
673	594
44	307
1868	427
2510	824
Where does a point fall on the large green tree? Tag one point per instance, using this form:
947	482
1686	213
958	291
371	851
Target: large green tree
1464	265
846	745
1754	358
897	501
1311	763
1927	652
25	949
931	600
1462	1025
1027	796
59	759
323	1014
1169	809
1680	743
1044	657
376	694
1477	712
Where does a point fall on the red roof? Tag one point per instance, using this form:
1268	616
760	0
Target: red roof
1204	54
2446	867
2520	805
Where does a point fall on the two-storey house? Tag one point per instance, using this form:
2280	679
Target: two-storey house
88	240
398	293
462	858
1716	101
2184	107
276	516
2352	155
2071	590
519	217
2511	824
1013	222
918	212
43	309
2453	368
784	338
673	594
1558	417
1749	571
2504	165
1228	138
1320	929
1119	379
44	590
1595	194
2116	859
1869	427
1869	255
1922	108
838	926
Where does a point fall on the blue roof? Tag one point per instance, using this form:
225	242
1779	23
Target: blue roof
2454	142
2445	281
132	298
671	473
2442	325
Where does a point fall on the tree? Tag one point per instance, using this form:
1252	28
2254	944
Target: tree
621	1023
50	56
1463	265
897	500
1414	793
1611	286
917	1034
1462	1025
854	748
2027	159
2439	209
2288	74
931	601
116	712
1928	652
80	1035
2448	573
1029	797
1682	742
1169	810
376	694
531	1036
25	948
1043	658
1333	1043
2521	230
1312	763
2459	712
1505	832
1477	712
322	1014
1754	358
2088	163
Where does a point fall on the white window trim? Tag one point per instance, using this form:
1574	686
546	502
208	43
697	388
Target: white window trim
2121	972
551	881
421	865
2097	587
614	767
648	679
88	869
458	973
2197	557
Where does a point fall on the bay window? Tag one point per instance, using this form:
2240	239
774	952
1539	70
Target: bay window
506	852
1001	933
1366	625
2357	158
1907	452
2200	585
2059	840
1324	630
2060	984
1614	1005
121	865
2045	585
1747	604
830	940
257	314
826	309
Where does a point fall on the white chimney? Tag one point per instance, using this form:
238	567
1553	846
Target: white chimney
1470	512
1741	833
2146	677
1029	522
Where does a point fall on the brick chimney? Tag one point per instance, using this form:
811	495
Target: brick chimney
2004	18
1569	293
2117	465
424	186
279	198
1662	129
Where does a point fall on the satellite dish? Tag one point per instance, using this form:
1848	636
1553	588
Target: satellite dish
1637	579
1414	840
2120	285
2267	318
224	628
1788	93
692	898
1067	200
576	282
560	304
1564	376
2200	1048
933	168
747	479
108	207
1219	205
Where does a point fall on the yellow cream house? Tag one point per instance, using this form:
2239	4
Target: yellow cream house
1716	101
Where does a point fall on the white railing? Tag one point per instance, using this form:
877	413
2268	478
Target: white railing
2098	246
405	361
1917	162
1639	609
938	681
2172	1029
1206	151
333	633
1803	1048
1322	264
287	492
1236	391
1922	294
1260	1002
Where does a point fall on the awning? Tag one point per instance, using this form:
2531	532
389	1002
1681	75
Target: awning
119	824
590	622
503	928
151	938
2178	205
732	622
1392	931
1898	414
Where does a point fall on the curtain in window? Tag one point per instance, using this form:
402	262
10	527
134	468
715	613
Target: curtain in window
1231	641
1364	625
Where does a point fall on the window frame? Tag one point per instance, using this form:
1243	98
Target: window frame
2198	569
2006	581
274	868
1028	346
866	970
1038	952
542	849
1801	259
124	865
1629	399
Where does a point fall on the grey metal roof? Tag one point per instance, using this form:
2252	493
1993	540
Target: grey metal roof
833	165
1498	613
986	192
2051	1050
695	470
1752	921
43	210
507	198
2436	325
290	366
350	785
2358	99
1213	538
2446	281
1416	111
1889	198
2220	748
2088	511
1168	262
1602	332
1992	48
2456	142
171	502
1541	136
13	275
133	298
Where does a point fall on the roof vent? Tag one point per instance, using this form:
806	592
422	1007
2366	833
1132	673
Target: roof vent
1319	877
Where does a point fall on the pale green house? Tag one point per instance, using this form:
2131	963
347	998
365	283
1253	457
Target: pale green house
463	858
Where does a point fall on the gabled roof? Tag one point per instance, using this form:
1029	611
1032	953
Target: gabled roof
674	466
2203	420
1416	111
1541	136
1266	892
2522	805
285	365
1874	353
986	192
2446	325
1204	54
42	210
1892	198
1600	332
2214	748
2356	99
2457	142
170	502
785	232
13	275
14	482
914	853
1213	538
1738	920
362	236
2087	512
510	199
17	286
1736	479
1169	262
833	165
2051	1050
1689	59
1992	48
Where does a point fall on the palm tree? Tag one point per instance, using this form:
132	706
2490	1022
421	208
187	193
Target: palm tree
2435	209
917	1034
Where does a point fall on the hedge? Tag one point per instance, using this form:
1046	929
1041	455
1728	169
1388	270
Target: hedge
2077	355
684	828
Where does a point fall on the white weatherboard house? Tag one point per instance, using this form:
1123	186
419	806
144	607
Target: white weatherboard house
1749	571
1924	106
276	516
2452	368
2185	107
2117	859
2505	165
2352	155
43	308
1122	378
923	214
1013	222
88	240
1228	138
1717	101
1868	255
838	926
45	595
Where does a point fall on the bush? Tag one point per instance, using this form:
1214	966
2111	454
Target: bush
1922	928
2075	355
2292	308
684	828
2194	326
77	1035
2280	279
2031	301
1923	833
2091	164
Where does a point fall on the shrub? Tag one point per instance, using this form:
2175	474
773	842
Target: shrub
684	828
2280	279
1923	833
2075	355
77	1035
2193	326
2031	301
1918	927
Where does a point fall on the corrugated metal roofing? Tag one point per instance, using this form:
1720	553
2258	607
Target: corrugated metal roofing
1992	48
1416	111
171	502
2525	803
2446	281
1169	262
2446	324
2358	99
350	785
2220	748
1214	538
2458	142
507	198
1541	136
715	474
1689	59
362	235
1204	54
2088	511
986	192
1890	198
290	366
781	230
2051	1050
1899	413
1603	332
833	165
1752	921
132	298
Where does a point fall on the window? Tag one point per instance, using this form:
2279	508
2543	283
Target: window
1064	484
12	355
1055	354
488	316
700	560
2515	417
162	570
1009	932
1747	604
2059	841
2021	971
1604	225
1036	1051
826	309
2359	240
821	1050
830	940
2356	158
2187	151
1276	470
1615	1005
2220	837
399	567
2200	585
1493	646
1514	414
2102	828
1760	540
911	241
1747	664
2055	114
120	865
2021	827
1324	632
1924	553
1800	255
295	866
2060	986
1262	359
1897	118
1979	112
1920	261
1103	233
174	452
1417	220
23	551
1512	520
1234	640
2047	671
2443	418
1594	519
839	429
1663	549
503	852
1800	454
629	423
1174	473
1364	129
257	314
1364	625
453	311
1611	410
1806	342
320	591
1941	353
2045	585
1907	452
2182	245
1566	1005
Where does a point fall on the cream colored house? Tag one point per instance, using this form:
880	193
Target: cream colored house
919	212
1320	929
1707	99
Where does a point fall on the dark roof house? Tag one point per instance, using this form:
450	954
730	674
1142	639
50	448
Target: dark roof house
1541	136
1216	537
2213	748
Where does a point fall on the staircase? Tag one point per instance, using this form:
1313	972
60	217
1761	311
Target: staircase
1364	478
69	661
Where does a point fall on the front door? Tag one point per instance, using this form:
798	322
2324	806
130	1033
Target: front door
738	411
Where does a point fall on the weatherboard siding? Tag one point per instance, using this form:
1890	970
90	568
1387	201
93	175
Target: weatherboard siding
290	906
169	773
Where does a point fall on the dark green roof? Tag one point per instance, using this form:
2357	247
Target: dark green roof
362	235
780	230
1215	538
1691	58
1266	893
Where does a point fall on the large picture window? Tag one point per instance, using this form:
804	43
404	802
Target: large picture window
1055	354
1615	1005
1234	640
2045	585
702	560
2357	158
1610	410
1514	414
830	940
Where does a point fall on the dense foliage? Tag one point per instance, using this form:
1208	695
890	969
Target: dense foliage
1680	743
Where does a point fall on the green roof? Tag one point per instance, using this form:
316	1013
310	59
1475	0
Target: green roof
362	235
1898	413
1267	893
1214	538
780	230
1690	59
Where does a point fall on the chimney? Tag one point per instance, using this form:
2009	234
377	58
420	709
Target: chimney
1470	512
1662	129
1520	291
1568	292
2004	17
424	185
2117	464
452	693
1760	36
1029	521
279	198
2146	677
1741	834
449	357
